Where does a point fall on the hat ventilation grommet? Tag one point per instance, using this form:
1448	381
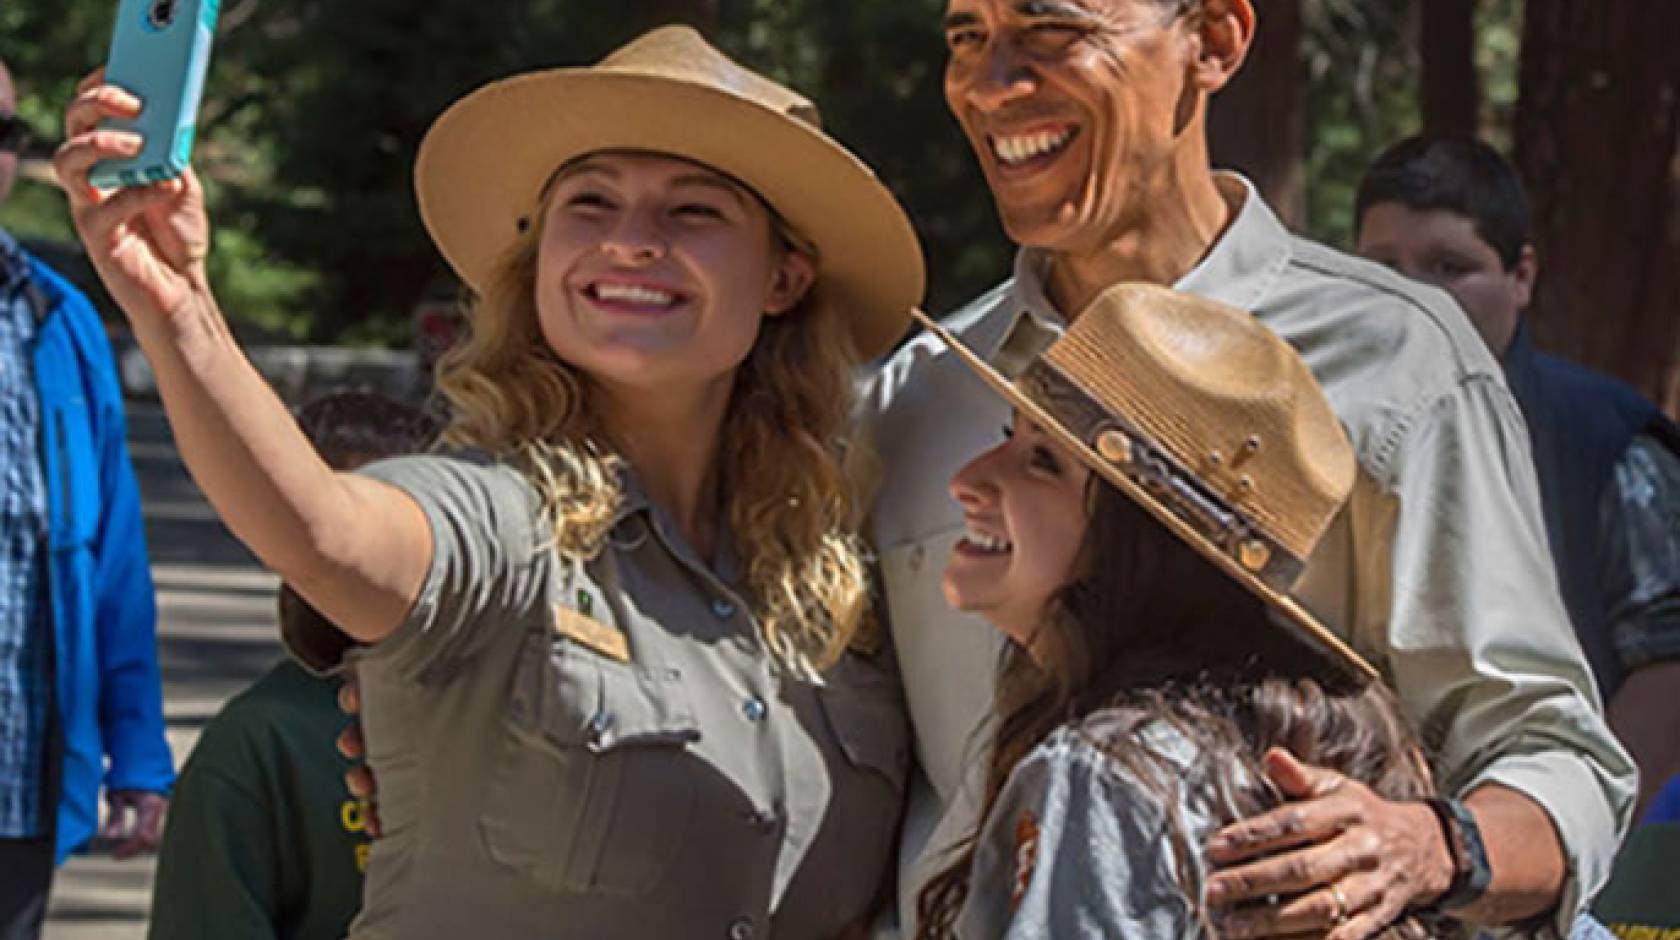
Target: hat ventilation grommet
1115	446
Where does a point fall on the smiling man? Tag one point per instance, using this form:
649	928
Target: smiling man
1089	119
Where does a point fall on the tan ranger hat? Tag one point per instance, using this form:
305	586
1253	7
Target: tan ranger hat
483	165
1209	421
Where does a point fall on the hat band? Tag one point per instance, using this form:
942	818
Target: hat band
1113	441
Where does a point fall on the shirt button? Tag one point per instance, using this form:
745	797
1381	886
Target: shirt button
723	609
599	726
764	821
918	556
742	929
755	709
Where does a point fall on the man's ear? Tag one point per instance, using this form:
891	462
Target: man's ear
1523	275
1226	29
789	283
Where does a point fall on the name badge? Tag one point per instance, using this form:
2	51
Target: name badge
586	630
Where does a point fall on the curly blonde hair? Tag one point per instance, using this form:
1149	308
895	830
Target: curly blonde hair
790	470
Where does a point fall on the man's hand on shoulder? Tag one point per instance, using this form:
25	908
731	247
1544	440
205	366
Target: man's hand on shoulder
1341	859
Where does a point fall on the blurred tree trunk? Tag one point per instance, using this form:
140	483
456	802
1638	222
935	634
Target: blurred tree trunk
1451	91
1255	124
1598	140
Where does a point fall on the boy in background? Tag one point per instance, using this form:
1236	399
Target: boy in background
262	840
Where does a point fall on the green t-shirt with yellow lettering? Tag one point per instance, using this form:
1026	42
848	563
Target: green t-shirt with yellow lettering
1640	902
263	840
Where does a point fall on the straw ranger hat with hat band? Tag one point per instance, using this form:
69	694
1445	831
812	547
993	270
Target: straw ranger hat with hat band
1209	421
483	165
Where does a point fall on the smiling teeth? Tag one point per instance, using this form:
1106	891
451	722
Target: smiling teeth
626	293
1024	147
985	541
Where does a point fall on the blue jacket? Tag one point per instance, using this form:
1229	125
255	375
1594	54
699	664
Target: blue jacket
110	696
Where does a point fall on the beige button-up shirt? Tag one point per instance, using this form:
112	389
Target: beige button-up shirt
605	749
1438	571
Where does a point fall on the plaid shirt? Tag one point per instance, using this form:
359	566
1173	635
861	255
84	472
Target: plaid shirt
25	686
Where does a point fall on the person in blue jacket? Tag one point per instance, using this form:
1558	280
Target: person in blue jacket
80	696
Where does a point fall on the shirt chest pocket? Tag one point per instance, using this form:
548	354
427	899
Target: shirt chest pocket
865	712
593	788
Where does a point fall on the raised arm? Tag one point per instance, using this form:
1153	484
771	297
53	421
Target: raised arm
356	548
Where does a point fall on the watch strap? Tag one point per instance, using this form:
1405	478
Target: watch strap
1471	872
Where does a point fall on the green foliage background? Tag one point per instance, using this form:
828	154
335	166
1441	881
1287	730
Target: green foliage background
1360	66
315	107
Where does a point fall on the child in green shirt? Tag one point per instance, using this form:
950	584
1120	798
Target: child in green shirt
262	840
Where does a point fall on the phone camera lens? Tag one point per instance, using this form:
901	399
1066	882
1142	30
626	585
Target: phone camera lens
163	13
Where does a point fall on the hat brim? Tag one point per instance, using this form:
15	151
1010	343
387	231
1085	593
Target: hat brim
1293	615
482	166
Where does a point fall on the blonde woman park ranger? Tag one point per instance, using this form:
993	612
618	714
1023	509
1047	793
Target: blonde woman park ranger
593	635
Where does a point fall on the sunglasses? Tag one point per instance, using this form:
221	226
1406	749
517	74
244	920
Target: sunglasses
14	133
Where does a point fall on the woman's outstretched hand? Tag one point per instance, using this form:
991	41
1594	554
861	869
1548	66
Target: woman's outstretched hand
148	243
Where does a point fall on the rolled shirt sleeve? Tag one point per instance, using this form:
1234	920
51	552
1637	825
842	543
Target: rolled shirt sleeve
1482	649
487	564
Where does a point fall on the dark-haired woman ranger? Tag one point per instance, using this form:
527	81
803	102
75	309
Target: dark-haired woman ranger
1170	466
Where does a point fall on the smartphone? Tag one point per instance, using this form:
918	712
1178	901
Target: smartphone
160	51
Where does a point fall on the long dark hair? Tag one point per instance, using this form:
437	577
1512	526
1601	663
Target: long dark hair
1151	633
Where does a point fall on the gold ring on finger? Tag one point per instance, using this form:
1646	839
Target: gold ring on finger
1339	915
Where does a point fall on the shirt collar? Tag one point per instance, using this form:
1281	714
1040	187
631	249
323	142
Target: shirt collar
632	498
1240	270
1011	343
636	515
1245	262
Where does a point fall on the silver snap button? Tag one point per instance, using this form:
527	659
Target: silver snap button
599	727
723	609
742	929
755	709
764	821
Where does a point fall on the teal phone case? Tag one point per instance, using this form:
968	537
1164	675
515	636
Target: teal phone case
160	51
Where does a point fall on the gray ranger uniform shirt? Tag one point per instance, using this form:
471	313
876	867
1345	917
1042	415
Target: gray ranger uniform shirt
1077	847
605	749
1438	571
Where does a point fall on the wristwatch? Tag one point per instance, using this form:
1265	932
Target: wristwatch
1471	872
